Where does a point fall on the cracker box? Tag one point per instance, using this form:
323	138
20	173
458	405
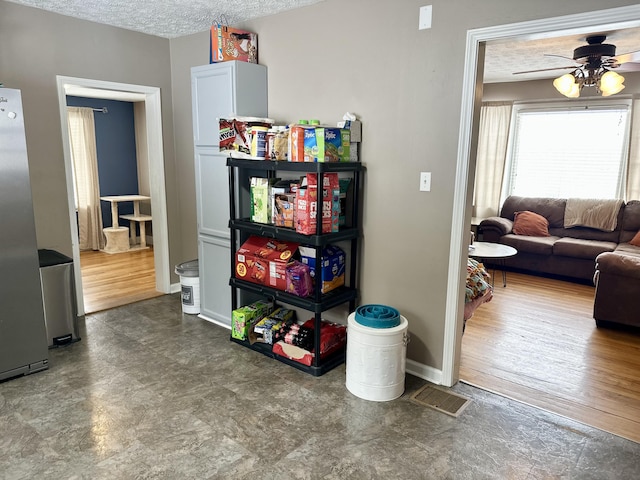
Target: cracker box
263	261
243	318
232	44
333	144
332	266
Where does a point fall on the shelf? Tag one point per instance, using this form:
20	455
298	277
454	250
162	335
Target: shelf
289	234
329	300
319	167
326	363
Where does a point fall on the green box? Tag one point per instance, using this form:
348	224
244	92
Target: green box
260	199
334	144
244	317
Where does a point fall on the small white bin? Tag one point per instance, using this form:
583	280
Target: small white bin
190	286
376	353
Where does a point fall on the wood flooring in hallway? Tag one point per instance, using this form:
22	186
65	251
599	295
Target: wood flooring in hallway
113	280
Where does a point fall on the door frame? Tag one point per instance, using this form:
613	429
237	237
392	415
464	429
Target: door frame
583	23
155	149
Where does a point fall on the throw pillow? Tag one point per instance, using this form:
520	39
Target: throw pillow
636	240
530	224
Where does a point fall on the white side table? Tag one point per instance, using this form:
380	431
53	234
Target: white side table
494	251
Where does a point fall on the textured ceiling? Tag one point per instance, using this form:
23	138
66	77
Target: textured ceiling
503	59
175	18
166	18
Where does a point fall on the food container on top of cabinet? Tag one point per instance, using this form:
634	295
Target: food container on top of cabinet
232	44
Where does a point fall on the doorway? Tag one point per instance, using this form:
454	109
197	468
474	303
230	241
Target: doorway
590	22
149	126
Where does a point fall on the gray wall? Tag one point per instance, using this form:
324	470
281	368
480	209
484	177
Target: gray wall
405	85
338	55
35	46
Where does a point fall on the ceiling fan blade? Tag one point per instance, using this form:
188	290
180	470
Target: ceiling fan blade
628	67
572	67
559	56
628	57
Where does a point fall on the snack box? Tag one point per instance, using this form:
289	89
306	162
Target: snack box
307	205
265	330
333	144
332	268
283	209
261	199
232	44
244	317
263	261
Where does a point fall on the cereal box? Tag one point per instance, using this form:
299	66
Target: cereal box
263	261
232	44
333	144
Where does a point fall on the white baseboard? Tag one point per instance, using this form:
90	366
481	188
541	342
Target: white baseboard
424	371
175	288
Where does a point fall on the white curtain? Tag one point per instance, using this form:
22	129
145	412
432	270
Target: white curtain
492	150
82	138
633	169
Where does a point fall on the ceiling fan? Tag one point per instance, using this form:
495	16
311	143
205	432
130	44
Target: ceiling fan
595	67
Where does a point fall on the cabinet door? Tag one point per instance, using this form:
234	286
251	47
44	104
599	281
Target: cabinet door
212	190
215	293
222	89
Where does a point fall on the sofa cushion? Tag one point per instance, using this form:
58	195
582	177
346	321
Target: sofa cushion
580	248
635	241
628	249
537	245
550	208
630	221
531	224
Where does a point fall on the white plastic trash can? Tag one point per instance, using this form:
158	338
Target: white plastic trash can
190	286
377	340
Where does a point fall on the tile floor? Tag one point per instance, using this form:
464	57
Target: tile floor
151	393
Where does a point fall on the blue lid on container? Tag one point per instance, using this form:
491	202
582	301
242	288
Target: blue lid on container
377	316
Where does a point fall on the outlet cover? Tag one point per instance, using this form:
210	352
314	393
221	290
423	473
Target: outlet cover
424	20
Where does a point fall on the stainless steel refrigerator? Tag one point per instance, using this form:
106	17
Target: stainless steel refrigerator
23	337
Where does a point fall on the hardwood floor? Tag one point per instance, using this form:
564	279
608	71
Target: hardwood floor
112	280
536	342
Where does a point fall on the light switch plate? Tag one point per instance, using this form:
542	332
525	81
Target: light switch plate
425	181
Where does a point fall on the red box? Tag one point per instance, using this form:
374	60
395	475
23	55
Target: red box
232	44
307	205
264	261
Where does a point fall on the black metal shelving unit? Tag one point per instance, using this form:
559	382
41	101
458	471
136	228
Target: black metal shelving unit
319	302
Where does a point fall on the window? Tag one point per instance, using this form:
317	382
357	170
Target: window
576	151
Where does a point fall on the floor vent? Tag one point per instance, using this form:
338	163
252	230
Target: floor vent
445	402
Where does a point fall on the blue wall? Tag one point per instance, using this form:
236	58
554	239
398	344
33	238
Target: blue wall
116	149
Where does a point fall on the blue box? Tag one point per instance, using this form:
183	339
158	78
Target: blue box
332	268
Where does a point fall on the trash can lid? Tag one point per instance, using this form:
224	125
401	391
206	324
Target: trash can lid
49	258
377	316
188	269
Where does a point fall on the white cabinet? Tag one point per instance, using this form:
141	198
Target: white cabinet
219	90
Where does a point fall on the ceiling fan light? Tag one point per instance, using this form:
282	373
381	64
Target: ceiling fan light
567	86
611	83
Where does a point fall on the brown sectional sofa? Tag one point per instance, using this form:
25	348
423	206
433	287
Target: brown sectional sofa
580	253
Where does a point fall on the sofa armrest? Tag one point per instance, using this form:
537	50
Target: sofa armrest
618	264
499	225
